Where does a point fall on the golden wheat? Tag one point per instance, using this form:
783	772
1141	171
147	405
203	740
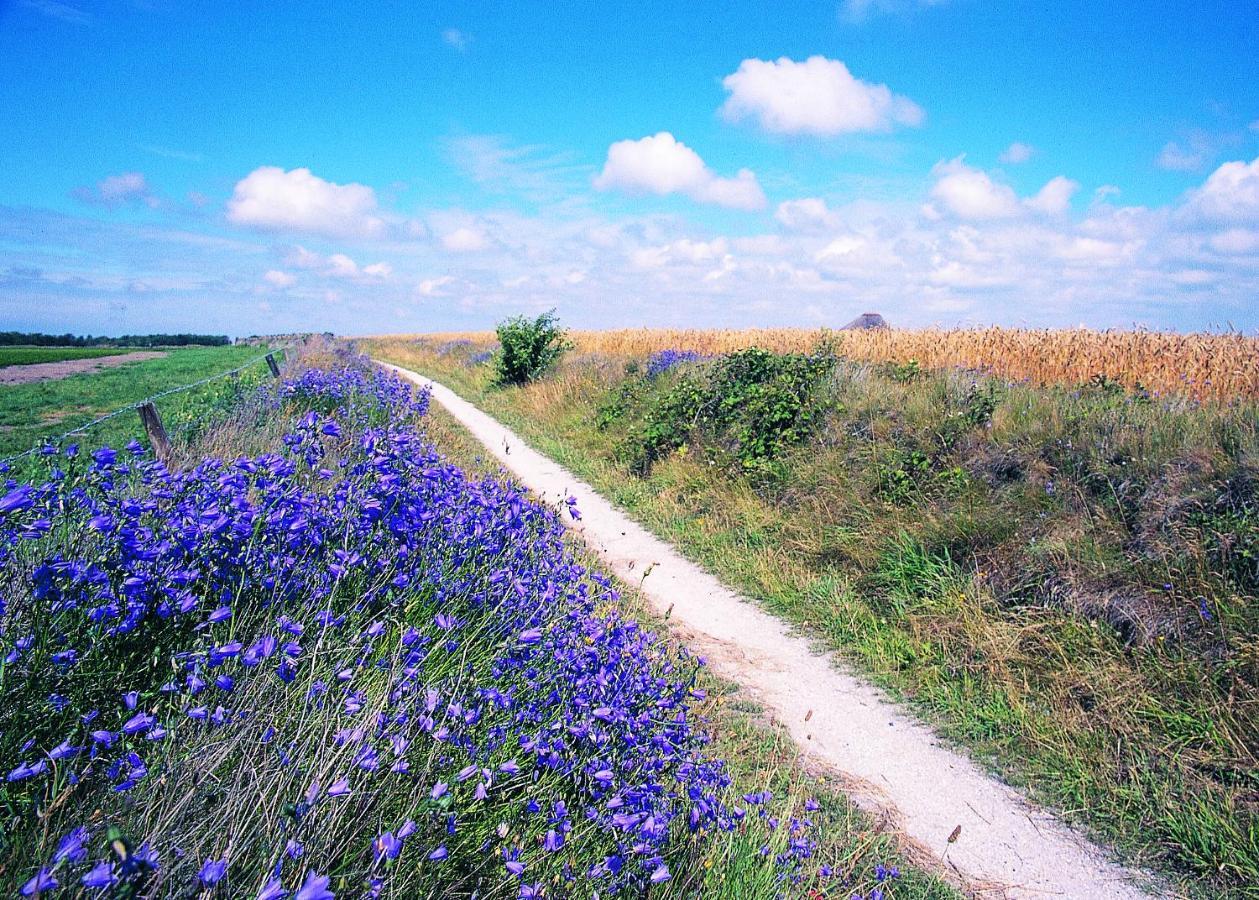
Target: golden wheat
1201	366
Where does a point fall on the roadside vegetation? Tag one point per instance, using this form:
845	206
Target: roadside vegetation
1063	578
38	410
315	658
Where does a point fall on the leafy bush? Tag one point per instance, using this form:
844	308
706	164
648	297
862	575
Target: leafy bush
528	347
750	405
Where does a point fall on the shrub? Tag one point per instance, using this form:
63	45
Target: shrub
528	347
750	405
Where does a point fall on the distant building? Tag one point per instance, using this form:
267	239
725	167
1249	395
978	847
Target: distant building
865	321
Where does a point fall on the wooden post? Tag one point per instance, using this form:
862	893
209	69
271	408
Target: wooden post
275	369
153	428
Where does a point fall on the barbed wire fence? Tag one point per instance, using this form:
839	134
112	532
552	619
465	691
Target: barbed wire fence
269	356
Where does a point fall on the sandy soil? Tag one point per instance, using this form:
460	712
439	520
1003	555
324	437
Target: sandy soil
995	843
51	371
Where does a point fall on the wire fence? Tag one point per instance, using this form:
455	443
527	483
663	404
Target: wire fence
132	407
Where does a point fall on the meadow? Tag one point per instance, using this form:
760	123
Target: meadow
39	410
26	356
317	657
1053	557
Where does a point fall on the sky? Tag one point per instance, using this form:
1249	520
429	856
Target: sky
249	168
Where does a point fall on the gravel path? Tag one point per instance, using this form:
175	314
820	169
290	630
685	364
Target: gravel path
996	842
51	371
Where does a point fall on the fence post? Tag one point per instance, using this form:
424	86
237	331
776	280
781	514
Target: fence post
153	428
275	369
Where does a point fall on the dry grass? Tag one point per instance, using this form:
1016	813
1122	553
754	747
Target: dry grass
1200	366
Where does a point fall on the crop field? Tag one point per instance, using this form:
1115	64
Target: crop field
1060	576
1200	366
315	656
25	356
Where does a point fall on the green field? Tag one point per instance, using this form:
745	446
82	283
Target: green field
1061	580
26	356
31	413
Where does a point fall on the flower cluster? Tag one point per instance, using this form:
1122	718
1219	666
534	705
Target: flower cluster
344	668
663	360
224	675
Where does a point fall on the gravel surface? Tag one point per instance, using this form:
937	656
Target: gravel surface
51	371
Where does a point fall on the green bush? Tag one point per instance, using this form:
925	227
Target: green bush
749	406
528	347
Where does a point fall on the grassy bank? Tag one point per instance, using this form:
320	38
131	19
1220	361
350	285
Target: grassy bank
1062	579
33	412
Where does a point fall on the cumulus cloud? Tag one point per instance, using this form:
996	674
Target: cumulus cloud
1017	153
434	287
973	194
337	265
970	193
270	198
818	96
1055	197
125	189
279	279
660	164
1230	194
806	214
465	239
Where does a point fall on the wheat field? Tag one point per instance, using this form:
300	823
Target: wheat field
1198	365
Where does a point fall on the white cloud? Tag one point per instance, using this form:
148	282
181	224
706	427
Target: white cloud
457	39
660	164
1055	197
970	193
1237	241
806	214
433	287
465	239
1017	153
684	250
341	266
818	96
128	188
1176	158
338	265
1230	194
272	199
279	279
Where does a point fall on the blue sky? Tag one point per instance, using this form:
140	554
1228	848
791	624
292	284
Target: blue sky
259	168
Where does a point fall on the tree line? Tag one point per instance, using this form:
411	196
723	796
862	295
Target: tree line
38	339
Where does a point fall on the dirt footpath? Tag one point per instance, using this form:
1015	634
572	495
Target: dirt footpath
51	371
998	844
